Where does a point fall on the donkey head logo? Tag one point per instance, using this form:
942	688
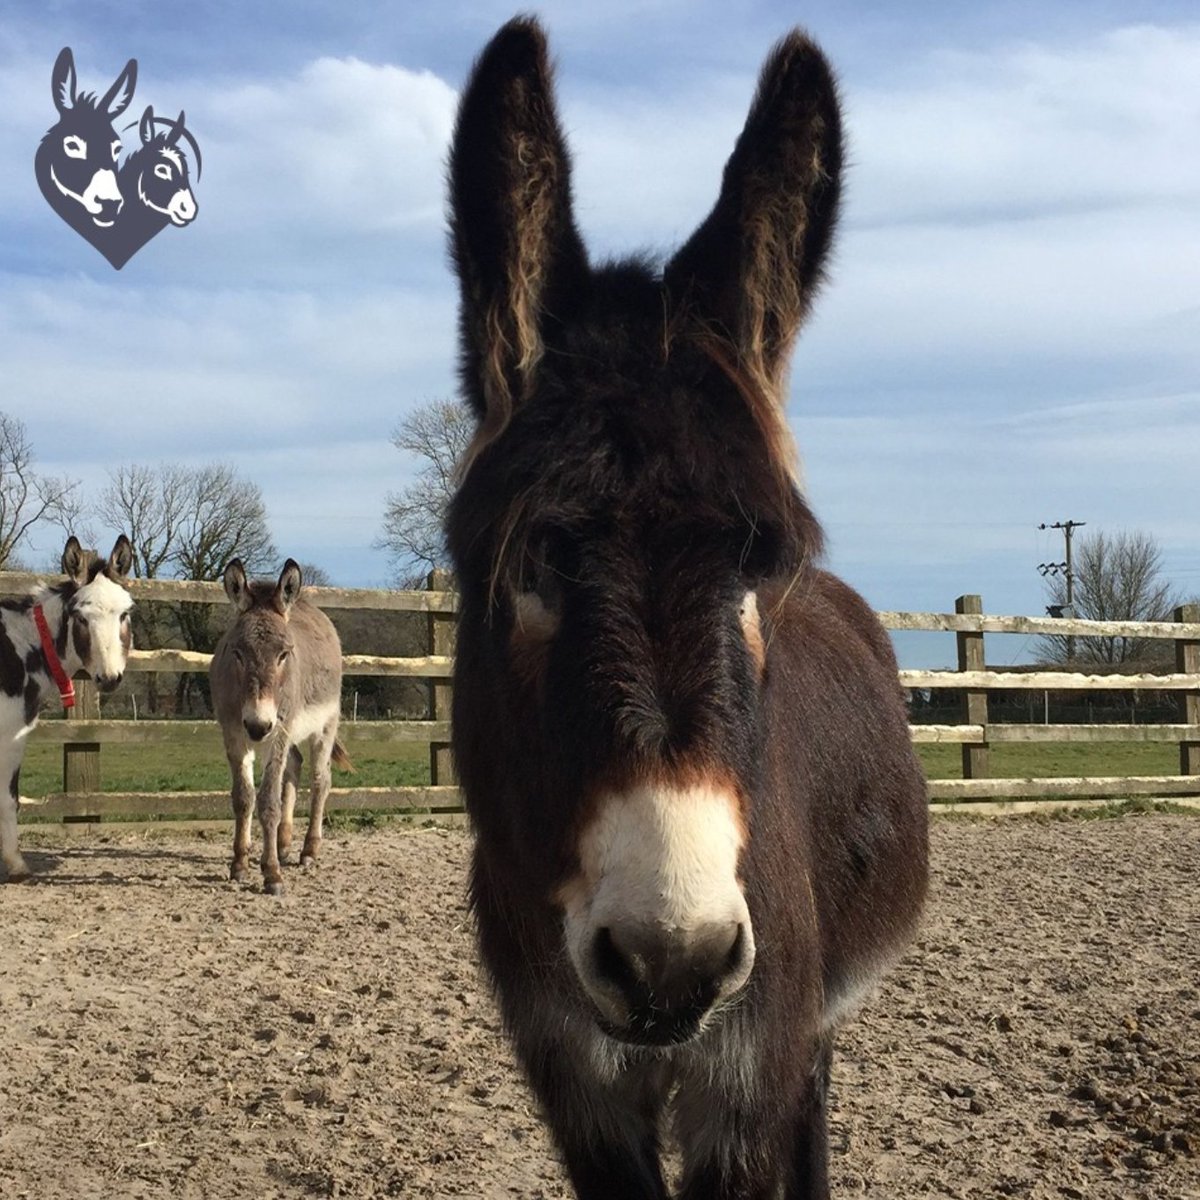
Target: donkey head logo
117	208
76	163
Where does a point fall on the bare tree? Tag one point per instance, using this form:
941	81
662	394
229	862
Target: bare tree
437	435
27	496
1118	577
186	523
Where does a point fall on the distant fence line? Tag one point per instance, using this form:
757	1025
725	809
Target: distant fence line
83	734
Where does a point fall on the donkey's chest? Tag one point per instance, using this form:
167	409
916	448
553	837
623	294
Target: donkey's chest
307	720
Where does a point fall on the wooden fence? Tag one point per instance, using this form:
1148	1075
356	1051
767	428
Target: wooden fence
84	733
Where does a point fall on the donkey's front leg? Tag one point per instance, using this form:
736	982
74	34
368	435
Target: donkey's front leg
322	750
810	1174
10	773
606	1129
270	812
291	781
240	756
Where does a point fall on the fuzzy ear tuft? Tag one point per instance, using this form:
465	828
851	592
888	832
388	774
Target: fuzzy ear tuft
287	590
749	273
237	588
75	561
120	561
519	257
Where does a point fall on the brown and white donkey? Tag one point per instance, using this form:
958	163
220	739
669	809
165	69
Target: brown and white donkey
700	826
276	682
82	624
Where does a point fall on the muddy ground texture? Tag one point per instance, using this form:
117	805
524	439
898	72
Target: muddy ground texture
167	1032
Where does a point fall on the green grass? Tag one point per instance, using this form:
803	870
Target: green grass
1047	760
191	766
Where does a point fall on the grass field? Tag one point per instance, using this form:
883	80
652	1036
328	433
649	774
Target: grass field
191	766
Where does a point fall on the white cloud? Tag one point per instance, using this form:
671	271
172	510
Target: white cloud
343	144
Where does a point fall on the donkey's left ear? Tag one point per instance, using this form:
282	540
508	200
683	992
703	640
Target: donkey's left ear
121	558
519	257
237	588
176	129
289	585
752	268
75	561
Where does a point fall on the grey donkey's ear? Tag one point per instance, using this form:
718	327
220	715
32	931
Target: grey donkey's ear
75	560
121	559
289	585
749	273
519	257
236	586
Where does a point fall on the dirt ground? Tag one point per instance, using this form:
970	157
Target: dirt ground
169	1033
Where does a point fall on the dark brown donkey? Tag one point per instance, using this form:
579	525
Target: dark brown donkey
277	682
701	830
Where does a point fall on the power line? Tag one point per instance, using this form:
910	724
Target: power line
1065	568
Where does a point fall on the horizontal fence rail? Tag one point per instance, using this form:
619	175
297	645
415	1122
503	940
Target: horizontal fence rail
85	733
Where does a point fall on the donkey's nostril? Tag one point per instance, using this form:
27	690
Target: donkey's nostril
258	729
668	980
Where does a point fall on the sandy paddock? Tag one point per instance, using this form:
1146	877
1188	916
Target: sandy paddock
169	1033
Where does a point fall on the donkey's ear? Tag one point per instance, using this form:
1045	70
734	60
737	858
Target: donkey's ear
146	125
119	97
289	585
518	254
121	558
236	587
175	130
750	271
62	80
75	560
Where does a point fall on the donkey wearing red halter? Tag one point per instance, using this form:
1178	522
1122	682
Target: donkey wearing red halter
701	831
82	624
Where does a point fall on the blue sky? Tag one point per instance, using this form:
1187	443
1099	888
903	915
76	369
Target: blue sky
1011	334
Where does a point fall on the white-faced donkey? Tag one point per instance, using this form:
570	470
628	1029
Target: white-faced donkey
276	682
45	639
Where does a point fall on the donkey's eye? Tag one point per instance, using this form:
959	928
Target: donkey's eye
82	621
116	149
75	147
240	658
163	171
283	656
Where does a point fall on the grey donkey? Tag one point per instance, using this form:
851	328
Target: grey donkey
276	680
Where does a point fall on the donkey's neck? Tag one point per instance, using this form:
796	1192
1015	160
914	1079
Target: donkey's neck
53	603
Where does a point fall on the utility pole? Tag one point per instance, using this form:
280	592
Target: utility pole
1068	528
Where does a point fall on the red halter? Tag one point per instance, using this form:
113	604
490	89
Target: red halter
66	689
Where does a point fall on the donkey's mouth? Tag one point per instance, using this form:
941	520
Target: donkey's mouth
648	1027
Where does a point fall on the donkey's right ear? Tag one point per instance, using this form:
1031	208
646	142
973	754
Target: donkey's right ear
236	587
146	126
74	560
62	80
119	97
517	252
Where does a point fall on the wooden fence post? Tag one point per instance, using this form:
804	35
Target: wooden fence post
1187	660
81	760
975	703
442	628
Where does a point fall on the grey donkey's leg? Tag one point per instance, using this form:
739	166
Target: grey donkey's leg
240	755
291	780
270	801
322	752
10	774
